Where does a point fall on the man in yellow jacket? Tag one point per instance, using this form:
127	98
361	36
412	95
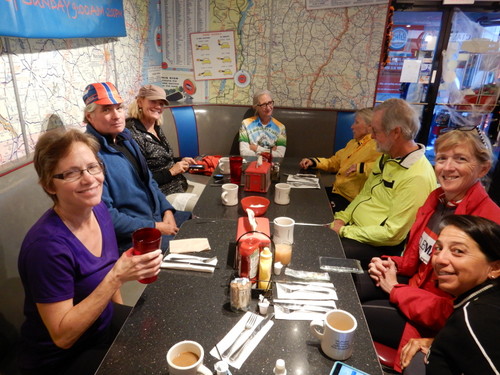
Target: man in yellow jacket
377	221
352	164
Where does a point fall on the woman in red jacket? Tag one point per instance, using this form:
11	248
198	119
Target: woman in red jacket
404	295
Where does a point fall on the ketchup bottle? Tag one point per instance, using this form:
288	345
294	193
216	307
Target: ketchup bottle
248	264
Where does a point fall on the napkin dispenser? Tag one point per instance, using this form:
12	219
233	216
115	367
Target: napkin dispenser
258	177
245	232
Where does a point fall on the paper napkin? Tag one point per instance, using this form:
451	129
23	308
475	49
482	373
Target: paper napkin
189	245
227	341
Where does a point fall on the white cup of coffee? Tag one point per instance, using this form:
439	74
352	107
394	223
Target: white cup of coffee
186	358
224	167
283	230
282	193
337	333
229	194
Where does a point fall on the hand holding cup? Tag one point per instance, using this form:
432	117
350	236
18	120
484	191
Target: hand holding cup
146	240
130	267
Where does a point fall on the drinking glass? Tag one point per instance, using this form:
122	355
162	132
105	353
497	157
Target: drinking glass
235	163
145	240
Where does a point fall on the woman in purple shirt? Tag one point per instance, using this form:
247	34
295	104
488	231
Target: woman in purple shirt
69	263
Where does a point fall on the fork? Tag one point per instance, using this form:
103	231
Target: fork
304	308
196	259
249	324
305	288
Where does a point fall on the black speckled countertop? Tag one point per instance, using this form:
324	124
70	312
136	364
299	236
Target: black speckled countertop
183	305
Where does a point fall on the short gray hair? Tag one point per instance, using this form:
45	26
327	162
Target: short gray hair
398	113
366	114
258	94
88	109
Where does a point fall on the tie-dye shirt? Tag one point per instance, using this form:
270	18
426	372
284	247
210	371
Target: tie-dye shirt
252	132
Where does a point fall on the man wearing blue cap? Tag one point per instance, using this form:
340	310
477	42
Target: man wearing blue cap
130	192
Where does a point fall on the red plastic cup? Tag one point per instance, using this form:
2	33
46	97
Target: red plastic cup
235	163
144	241
267	156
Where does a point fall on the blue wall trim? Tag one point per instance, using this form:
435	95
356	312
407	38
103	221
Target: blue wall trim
187	131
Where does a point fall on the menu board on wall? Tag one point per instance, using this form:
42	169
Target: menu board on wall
214	55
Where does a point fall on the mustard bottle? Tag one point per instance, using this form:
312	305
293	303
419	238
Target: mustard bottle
265	267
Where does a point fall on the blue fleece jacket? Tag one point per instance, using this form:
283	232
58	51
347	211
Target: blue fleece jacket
132	203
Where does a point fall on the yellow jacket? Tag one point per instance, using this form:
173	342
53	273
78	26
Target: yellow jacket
362	153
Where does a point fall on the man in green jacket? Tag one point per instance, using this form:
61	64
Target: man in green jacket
379	218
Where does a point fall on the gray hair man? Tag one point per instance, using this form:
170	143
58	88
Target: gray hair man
379	218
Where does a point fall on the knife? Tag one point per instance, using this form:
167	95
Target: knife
238	351
189	263
313	225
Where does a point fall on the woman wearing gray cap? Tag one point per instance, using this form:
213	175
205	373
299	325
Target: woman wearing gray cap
144	122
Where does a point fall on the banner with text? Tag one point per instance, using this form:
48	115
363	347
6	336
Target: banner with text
62	18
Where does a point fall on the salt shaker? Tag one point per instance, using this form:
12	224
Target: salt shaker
279	368
222	368
275	172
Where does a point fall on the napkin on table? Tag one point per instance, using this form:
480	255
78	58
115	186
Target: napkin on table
189	245
189	263
301	309
227	341
303	181
311	291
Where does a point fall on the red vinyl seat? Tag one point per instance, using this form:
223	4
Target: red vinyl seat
386	355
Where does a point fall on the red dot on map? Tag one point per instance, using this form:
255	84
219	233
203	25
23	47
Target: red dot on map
164	65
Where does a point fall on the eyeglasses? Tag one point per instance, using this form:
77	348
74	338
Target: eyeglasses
468	129
75	174
268	104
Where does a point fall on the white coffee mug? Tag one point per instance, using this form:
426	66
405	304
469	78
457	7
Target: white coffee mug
229	194
283	230
337	333
224	165
282	193
186	358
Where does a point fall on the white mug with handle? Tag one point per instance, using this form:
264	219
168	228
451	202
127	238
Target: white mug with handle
229	194
282	193
283	230
336	333
224	165
186	358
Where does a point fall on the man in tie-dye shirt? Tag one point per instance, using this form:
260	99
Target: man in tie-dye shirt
262	132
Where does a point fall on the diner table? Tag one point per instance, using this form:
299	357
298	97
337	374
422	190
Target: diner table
187	305
305	204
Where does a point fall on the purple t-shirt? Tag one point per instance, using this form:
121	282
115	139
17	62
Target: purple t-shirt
55	266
